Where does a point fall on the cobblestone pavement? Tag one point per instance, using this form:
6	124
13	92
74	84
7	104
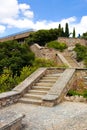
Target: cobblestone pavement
65	116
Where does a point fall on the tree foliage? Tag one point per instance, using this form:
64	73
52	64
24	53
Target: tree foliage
74	33
84	35
42	36
66	30
14	56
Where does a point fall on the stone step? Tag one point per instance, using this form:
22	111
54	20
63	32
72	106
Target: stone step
41	92
54	75
40	88
71	61
30	101
33	96
44	84
48	80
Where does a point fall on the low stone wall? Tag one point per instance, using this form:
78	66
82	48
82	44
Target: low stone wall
8	98
72	41
13	96
75	98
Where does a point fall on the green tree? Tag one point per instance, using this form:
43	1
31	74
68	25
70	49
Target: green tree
84	35
74	33
15	56
66	30
42	36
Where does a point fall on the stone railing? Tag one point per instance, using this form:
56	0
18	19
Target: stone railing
60	88
13	96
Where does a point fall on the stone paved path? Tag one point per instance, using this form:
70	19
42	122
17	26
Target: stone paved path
65	116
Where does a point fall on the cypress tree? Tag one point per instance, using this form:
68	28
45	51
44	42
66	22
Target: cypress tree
66	30
74	33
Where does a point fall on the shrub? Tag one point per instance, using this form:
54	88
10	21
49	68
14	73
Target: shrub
81	52
44	63
57	45
73	93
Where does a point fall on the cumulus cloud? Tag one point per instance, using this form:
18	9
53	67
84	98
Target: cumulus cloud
8	9
2	28
20	15
26	10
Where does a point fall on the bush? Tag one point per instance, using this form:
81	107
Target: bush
8	82
73	93
81	52
85	94
44	63
57	45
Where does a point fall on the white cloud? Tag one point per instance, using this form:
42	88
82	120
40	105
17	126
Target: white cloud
20	15
8	8
28	14
24	7
20	23
2	28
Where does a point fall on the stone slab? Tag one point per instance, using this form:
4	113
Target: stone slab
10	120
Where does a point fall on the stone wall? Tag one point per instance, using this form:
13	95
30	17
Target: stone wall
72	41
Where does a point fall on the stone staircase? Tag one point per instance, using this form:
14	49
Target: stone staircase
67	59
40	89
72	62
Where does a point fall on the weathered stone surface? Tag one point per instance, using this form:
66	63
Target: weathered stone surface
13	96
61	87
72	41
75	98
30	80
64	61
10	120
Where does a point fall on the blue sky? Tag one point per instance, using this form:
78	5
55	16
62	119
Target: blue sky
20	15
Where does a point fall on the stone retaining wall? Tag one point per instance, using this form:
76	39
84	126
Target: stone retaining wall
72	41
46	53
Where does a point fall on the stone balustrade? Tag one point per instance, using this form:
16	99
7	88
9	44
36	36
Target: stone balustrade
13	96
